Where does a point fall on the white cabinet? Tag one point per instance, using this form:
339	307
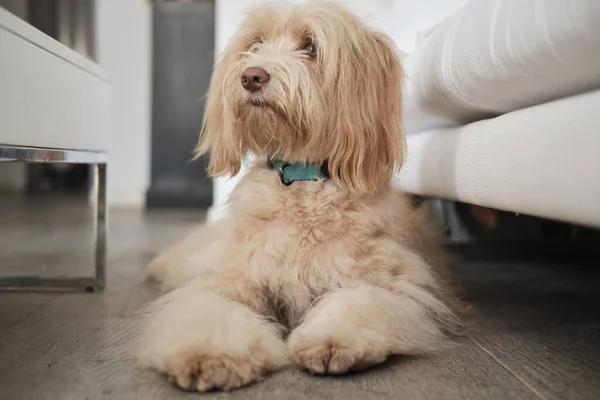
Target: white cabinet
50	96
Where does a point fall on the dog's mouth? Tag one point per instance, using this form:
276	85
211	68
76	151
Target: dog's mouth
256	102
259	101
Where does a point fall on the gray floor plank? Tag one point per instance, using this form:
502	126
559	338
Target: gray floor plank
90	359
15	307
126	292
540	321
563	364
67	359
465	373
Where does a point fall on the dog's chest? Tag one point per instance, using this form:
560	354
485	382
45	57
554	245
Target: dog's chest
299	238
298	246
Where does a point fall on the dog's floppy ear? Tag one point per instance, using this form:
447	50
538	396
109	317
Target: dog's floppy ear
218	130
368	136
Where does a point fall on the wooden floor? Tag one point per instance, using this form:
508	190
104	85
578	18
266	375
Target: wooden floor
535	333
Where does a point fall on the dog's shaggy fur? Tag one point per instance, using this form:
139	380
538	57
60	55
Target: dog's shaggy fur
335	274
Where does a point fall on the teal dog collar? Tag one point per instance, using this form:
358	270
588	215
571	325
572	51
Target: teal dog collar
289	173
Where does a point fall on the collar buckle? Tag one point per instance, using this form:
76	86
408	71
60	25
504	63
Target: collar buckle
282	179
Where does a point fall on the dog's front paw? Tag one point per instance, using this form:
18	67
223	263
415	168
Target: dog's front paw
220	363
202	341
333	354
200	372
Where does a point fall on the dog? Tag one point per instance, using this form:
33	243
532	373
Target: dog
318	260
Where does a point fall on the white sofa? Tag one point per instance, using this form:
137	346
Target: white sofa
503	109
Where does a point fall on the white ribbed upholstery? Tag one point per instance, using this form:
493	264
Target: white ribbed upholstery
543	161
497	56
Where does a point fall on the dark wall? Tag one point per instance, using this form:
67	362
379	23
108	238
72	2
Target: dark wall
182	64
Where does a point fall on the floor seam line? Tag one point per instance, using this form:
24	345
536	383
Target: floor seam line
29	314
522	380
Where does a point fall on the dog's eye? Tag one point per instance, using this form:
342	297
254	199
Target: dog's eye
254	46
311	49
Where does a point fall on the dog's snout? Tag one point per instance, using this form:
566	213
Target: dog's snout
254	78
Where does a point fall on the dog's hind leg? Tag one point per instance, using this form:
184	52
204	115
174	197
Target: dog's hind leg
171	268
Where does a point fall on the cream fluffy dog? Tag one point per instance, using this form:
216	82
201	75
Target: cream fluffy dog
334	274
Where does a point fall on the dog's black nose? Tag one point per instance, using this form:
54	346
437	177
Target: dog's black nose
254	78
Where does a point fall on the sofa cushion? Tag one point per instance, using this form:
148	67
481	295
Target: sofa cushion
497	56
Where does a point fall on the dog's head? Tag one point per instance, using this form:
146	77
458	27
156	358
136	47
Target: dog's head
305	84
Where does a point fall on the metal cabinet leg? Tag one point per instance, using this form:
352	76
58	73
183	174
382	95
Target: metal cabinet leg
100	226
98	160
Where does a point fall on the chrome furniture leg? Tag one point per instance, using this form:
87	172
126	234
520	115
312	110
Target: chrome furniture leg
99	161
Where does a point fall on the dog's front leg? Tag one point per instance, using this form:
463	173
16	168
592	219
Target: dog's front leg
354	328
203	341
